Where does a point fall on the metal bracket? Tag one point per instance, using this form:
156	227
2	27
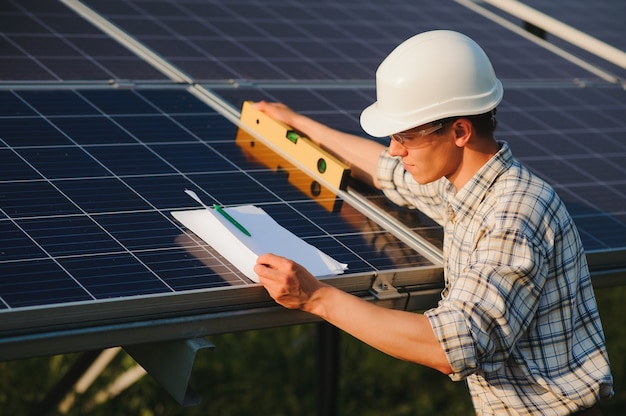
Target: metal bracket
383	289
170	363
122	84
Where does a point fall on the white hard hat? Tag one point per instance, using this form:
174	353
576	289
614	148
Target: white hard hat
429	77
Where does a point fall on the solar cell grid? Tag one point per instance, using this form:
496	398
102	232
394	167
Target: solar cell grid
322	40
36	282
91	216
46	41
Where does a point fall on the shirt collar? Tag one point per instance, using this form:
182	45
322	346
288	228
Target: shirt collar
468	198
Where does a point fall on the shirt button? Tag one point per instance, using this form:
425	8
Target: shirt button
451	215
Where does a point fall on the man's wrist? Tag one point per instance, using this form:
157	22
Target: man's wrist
316	304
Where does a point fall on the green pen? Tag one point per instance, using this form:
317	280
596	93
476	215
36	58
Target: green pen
232	220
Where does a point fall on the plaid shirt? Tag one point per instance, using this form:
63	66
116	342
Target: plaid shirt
518	317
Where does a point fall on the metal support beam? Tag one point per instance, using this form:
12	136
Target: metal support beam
170	363
327	371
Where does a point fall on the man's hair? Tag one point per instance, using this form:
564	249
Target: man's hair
484	124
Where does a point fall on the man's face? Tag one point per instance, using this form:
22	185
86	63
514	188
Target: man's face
428	152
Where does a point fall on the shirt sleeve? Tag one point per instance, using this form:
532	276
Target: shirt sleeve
486	309
400	188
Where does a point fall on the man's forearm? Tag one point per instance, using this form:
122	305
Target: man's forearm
401	334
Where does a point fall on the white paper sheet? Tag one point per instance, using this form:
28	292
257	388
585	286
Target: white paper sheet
267	236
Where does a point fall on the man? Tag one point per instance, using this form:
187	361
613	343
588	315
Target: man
517	318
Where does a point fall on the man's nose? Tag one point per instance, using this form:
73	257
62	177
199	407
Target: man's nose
395	148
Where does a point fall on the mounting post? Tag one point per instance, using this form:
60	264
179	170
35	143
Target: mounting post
327	368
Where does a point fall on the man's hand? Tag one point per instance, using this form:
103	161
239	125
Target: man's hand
402	334
277	111
287	282
359	153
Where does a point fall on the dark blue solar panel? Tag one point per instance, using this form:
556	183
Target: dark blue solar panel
13	165
191	157
89	130
38	282
178	272
10	105
130	160
61	162
112	102
69	235
139	230
47	103
153	129
46	41
16	244
102	195
31	132
87	216
113	275
314	40
33	198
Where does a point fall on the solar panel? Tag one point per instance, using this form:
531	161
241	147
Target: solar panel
88	218
314	40
97	151
47	41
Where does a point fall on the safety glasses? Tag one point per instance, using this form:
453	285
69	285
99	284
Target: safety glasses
409	138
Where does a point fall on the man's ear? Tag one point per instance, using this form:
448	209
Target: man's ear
462	129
